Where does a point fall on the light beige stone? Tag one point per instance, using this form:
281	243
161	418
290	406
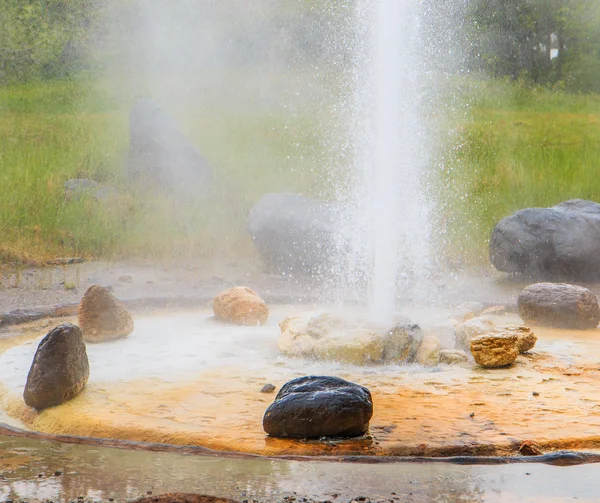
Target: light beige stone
242	306
453	356
347	339
428	353
365	350
495	349
526	339
464	332
294	340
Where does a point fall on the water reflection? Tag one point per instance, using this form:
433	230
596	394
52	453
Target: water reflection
36	470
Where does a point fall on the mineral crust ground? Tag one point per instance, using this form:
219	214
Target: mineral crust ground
183	378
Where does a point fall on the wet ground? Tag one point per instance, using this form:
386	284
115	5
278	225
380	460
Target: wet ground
37	471
28	287
183	378
170	382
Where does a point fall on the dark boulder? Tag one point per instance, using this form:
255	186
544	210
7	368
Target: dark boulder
319	406
60	368
562	242
160	156
293	234
559	305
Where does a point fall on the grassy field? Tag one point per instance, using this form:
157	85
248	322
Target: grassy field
515	147
53	131
518	147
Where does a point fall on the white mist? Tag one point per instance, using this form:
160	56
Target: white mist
390	225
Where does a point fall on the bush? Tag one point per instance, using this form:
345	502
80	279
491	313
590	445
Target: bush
42	38
583	74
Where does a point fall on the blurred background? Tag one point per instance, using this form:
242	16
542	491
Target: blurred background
263	90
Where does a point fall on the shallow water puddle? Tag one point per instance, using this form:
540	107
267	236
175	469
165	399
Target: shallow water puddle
100	473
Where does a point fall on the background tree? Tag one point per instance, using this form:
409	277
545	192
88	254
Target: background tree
42	37
548	41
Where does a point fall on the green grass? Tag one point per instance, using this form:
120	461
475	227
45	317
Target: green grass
519	147
516	147
51	132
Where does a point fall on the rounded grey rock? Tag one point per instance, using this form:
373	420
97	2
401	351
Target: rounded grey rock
558	243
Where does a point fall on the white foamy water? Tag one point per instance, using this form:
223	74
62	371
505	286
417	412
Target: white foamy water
177	347
389	226
171	348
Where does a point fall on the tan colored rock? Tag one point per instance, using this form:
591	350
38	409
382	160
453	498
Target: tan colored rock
242	306
294	340
495	349
453	356
428	353
366	350
348	340
464	332
102	317
526	338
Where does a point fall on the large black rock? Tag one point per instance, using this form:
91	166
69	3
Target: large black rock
160	156
319	406
562	242
60	368
293	233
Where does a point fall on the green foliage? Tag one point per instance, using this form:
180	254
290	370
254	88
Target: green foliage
523	146
54	131
54	38
515	38
42	38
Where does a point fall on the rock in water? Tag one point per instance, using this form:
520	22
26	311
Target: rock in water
160	156
293	234
242	306
348	339
268	388
428	353
561	242
559	305
495	349
60	368
102	317
319	406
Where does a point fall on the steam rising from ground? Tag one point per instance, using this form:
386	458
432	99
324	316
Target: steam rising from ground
187	52
372	72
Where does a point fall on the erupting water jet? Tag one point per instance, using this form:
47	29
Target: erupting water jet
390	220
